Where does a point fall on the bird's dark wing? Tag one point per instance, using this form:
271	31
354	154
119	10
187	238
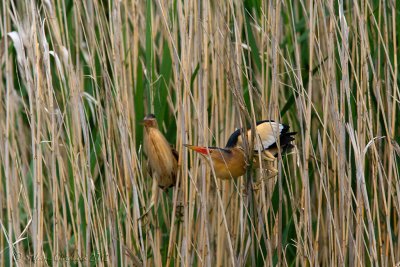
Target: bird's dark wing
233	139
260	122
285	142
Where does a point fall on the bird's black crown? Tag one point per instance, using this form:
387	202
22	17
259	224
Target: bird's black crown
150	116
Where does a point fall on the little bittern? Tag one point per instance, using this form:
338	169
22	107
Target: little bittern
230	162
162	158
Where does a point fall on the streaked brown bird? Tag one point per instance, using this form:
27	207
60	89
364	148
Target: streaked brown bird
162	158
230	162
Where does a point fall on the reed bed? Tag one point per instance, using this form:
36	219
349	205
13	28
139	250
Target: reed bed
79	76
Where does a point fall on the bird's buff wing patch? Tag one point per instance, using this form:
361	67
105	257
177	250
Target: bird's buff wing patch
267	134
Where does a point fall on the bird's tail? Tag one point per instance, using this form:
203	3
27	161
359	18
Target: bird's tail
285	141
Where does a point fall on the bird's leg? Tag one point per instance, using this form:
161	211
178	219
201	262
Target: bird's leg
153	202
271	172
269	161
179	205
267	156
179	212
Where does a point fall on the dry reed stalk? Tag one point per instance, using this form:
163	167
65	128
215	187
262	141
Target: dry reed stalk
79	76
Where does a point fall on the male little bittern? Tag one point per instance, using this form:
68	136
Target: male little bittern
162	158
230	162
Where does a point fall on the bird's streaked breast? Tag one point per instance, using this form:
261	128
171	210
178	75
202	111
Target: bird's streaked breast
159	154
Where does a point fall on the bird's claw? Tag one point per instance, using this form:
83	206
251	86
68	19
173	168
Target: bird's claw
267	156
244	191
272	172
179	212
256	186
144	218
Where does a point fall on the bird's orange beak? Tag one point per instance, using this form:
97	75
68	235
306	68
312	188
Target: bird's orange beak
200	149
